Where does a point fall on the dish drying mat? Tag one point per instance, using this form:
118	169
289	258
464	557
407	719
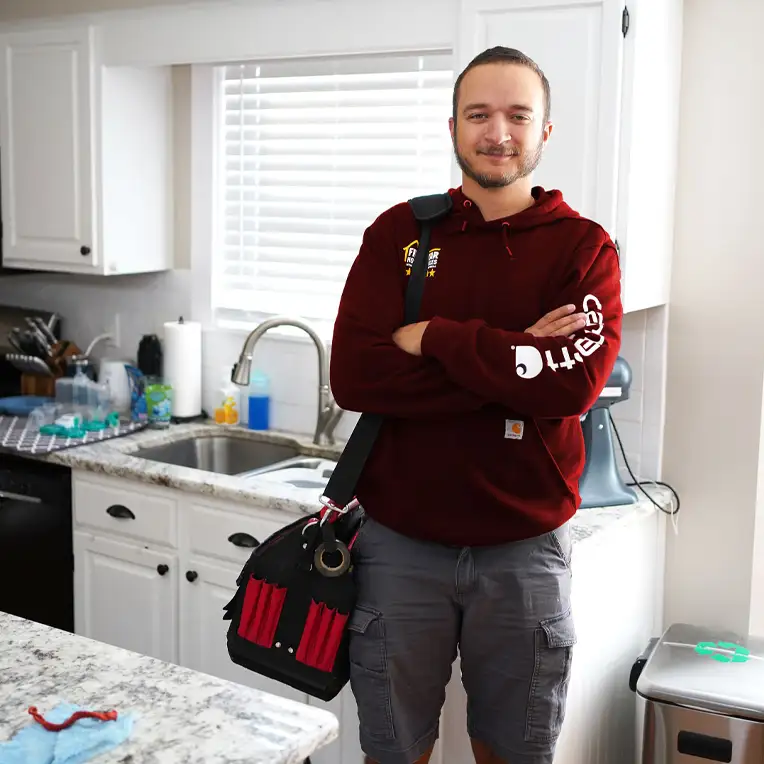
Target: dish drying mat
16	436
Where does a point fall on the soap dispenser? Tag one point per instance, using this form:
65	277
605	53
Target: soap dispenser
228	401
259	401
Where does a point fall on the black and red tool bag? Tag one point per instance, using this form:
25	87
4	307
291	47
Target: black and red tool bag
295	594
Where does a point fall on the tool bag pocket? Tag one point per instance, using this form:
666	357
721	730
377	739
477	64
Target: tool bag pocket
289	616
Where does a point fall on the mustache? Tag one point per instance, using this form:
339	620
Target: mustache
497	151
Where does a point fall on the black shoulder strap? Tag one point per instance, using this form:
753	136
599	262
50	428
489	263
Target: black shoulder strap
341	486
427	210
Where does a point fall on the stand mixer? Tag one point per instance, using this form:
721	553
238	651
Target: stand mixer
601	484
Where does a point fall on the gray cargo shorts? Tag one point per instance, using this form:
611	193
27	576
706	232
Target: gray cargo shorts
505	608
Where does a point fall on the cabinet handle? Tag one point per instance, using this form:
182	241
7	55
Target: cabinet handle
120	512
243	539
84	251
191	576
162	569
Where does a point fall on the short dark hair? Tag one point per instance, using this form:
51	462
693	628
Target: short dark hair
502	55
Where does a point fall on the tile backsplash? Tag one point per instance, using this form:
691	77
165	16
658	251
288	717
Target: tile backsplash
144	303
639	419
89	305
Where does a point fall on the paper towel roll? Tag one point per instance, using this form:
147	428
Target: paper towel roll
183	366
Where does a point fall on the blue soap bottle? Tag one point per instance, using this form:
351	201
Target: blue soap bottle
259	408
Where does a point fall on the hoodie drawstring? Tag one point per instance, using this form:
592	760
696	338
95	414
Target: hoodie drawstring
505	237
466	204
504	226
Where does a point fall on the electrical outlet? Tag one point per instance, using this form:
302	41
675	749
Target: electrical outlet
113	330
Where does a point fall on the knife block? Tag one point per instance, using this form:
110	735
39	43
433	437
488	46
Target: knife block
37	384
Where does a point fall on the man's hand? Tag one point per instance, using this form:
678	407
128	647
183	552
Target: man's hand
409	338
561	322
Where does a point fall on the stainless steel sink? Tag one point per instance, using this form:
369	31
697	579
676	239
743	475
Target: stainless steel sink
300	472
221	454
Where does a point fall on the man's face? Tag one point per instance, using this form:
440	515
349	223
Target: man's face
499	133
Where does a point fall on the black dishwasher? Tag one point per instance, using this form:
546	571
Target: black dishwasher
36	557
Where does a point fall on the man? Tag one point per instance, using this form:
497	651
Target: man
474	476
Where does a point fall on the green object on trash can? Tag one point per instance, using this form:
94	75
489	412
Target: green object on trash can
712	649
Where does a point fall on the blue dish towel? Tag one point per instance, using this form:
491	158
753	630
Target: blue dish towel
79	743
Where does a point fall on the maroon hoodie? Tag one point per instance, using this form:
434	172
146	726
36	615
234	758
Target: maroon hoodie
482	440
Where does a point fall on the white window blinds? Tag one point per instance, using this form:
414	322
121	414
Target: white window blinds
310	152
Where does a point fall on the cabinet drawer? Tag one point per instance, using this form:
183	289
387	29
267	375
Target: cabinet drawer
212	532
124	511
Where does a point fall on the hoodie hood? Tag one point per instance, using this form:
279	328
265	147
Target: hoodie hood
549	207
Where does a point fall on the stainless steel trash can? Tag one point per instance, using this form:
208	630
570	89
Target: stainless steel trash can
704	697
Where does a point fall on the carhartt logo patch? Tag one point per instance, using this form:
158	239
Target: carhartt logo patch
513	429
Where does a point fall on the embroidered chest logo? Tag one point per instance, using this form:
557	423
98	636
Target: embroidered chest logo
409	254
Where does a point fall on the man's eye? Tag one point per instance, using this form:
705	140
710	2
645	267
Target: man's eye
477	116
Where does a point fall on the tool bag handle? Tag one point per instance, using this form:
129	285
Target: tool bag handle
341	486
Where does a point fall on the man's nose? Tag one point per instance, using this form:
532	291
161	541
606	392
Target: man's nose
498	130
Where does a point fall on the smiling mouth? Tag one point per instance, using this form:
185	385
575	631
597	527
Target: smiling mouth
499	157
493	155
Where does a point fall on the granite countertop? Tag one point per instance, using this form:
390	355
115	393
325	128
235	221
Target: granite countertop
180	716
115	457
592	522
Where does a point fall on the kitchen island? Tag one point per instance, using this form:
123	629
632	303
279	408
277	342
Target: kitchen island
180	716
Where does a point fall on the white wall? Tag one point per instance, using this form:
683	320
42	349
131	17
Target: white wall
757	577
716	332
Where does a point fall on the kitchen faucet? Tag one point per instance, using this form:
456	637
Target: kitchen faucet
329	413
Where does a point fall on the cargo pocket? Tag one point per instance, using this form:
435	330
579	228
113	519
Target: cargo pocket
554	639
369	678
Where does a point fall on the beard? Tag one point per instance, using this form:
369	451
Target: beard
528	163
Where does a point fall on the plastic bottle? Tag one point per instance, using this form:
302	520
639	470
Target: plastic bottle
228	404
80	387
259	401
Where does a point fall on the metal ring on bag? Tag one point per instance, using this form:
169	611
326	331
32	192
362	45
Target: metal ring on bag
328	570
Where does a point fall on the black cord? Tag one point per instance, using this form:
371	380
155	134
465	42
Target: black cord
636	482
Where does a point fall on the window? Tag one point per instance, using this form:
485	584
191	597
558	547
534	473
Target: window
309	153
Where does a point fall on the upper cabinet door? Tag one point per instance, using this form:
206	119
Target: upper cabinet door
578	45
46	150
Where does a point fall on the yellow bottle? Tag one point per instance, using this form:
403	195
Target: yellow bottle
227	407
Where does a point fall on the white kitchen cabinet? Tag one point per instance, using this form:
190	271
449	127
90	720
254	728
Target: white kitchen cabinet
154	569
211	562
205	588
614	71
85	157
125	595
